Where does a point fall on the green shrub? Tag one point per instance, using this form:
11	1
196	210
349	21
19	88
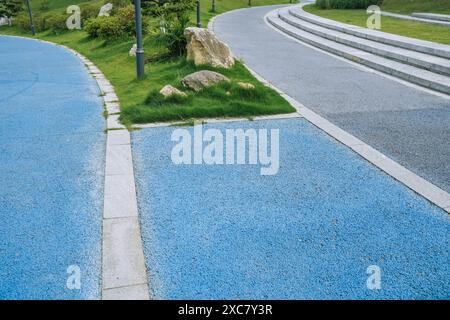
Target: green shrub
23	22
108	28
55	21
175	16
117	4
89	10
346	4
44	5
127	20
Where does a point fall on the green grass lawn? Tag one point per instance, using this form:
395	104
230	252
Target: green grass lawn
138	99
423	31
410	6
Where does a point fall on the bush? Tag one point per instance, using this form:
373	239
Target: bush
45	5
23	21
108	28
346	4
118	4
175	16
127	20
88	11
55	21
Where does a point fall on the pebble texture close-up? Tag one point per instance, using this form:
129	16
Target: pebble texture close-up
310	231
52	153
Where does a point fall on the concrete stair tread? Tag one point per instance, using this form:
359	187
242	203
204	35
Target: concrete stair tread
423	60
406	72
432	16
427	47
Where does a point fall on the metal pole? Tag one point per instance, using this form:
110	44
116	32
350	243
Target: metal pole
139	48
199	24
213	8
33	31
249	3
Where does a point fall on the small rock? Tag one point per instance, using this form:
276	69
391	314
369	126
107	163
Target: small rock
246	85
169	90
133	49
202	79
203	47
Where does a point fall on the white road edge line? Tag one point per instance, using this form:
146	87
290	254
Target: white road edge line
419	185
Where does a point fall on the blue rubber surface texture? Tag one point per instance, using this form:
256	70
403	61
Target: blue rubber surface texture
52	150
311	231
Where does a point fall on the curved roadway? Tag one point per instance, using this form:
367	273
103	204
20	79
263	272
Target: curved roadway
407	124
51	173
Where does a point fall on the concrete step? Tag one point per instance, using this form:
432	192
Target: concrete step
427	47
432	16
415	19
418	59
409	73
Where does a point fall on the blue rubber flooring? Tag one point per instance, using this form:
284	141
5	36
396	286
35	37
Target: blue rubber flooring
308	232
52	150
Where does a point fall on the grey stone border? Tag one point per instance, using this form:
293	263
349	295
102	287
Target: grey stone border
432	16
124	274
219	120
421	19
418	45
417	184
361	66
343	48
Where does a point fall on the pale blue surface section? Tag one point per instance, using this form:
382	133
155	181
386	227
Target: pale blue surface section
52	150
309	232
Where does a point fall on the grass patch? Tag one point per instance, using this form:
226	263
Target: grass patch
410	6
139	99
223	100
423	31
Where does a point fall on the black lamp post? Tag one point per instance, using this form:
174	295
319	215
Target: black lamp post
139	48
213	7
33	31
199	24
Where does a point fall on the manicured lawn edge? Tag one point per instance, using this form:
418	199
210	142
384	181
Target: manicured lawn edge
113	60
417	30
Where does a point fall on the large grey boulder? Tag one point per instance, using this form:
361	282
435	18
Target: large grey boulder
203	47
202	79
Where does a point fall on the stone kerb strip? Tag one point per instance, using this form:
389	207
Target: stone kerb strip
124	275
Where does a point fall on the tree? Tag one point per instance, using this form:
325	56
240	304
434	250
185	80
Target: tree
10	8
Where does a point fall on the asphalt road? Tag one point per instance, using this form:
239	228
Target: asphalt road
408	125
52	150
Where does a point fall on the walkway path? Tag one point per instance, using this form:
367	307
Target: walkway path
310	231
51	171
406	124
